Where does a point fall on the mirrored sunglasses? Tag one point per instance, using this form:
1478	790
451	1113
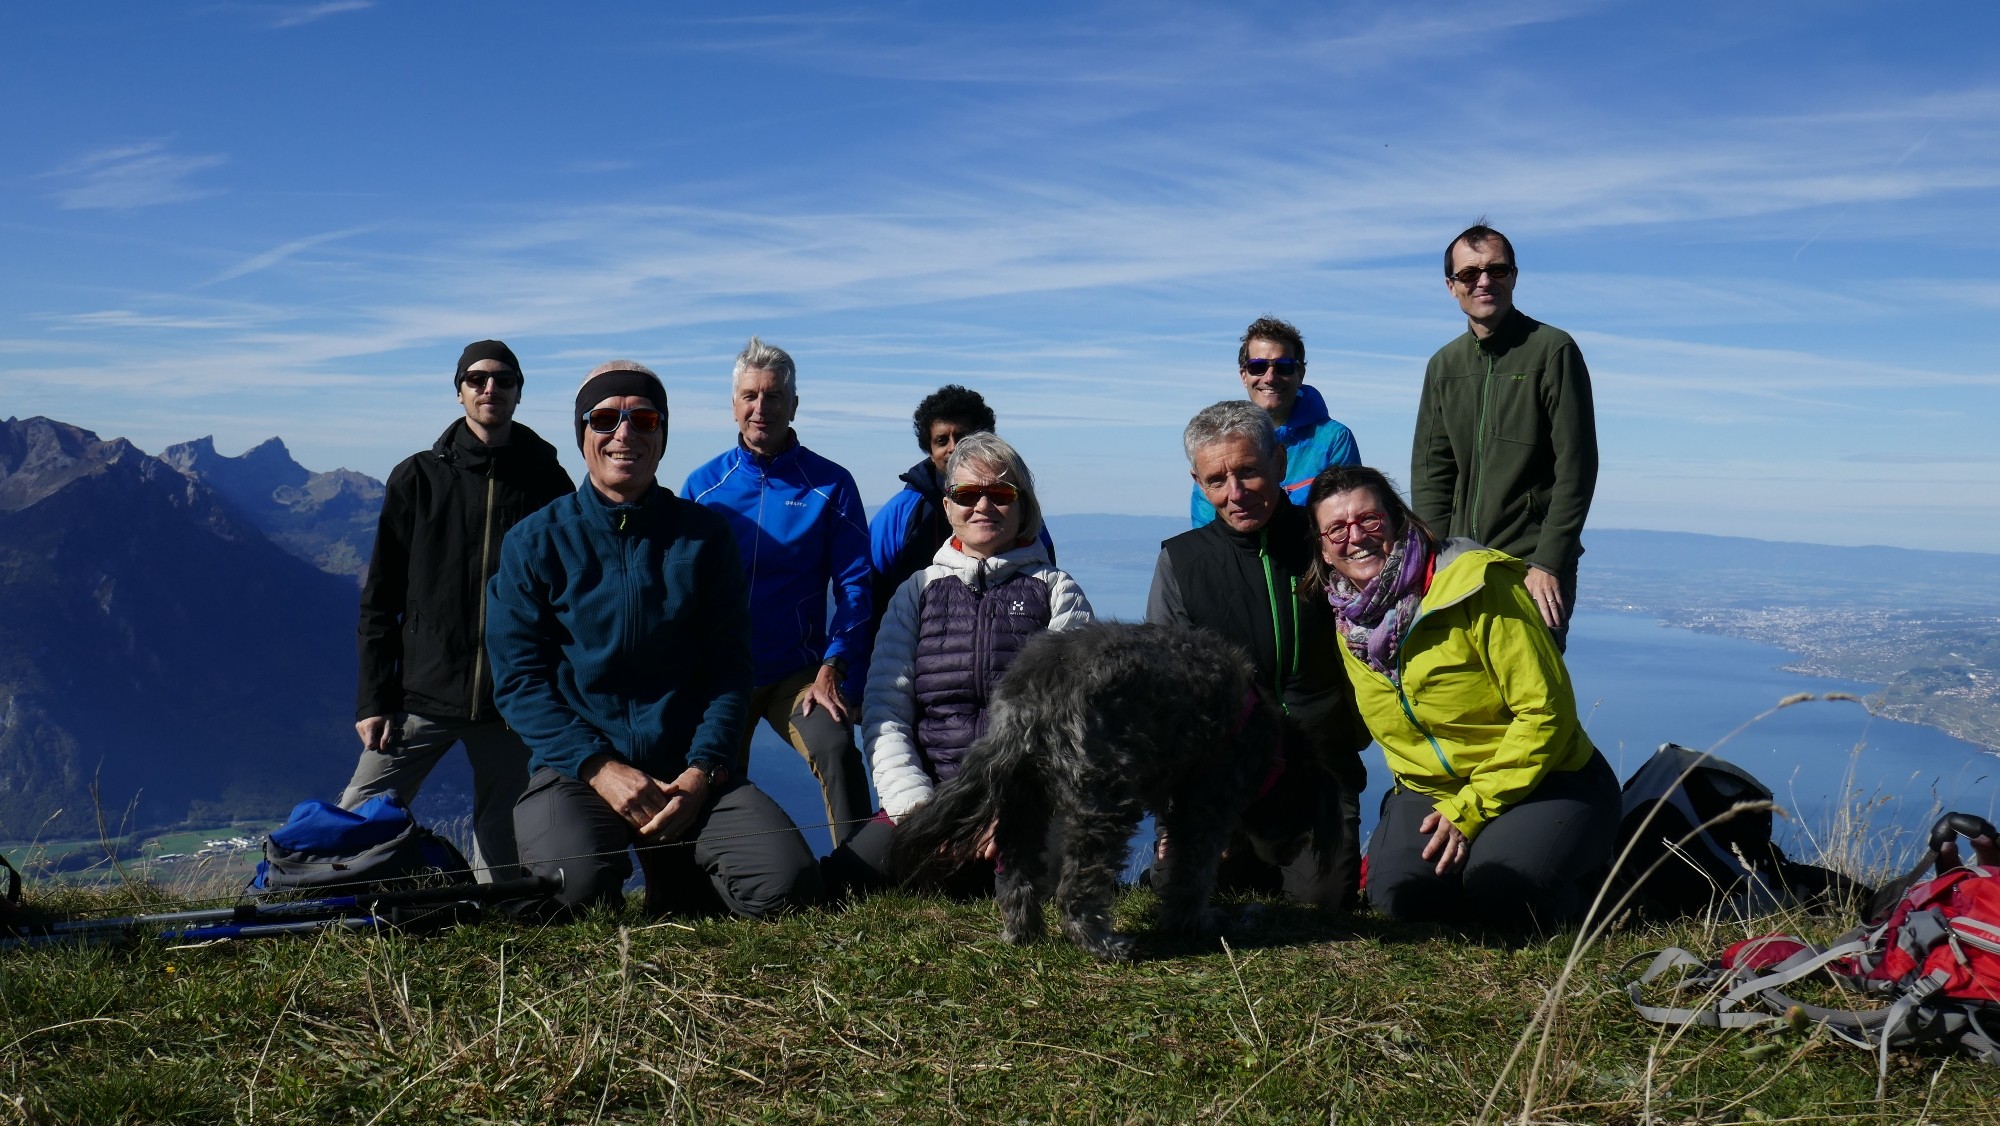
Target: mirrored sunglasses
965	496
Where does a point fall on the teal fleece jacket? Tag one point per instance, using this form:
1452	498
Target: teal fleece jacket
621	629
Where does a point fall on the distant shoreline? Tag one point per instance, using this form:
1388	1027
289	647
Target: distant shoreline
1905	699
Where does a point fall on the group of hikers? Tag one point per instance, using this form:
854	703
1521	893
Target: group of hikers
605	653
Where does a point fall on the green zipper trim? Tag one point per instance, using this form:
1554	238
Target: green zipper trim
1277	632
1479	440
1402	647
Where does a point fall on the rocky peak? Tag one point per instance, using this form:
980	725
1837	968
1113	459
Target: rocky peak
38	456
250	480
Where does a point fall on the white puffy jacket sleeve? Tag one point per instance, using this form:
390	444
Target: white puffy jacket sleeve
889	705
1068	608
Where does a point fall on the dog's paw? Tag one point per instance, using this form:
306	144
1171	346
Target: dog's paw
1202	920
1249	916
1113	947
1021	935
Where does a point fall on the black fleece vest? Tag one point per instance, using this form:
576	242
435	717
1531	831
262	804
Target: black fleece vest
1222	586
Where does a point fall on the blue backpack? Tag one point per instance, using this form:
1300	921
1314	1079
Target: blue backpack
377	846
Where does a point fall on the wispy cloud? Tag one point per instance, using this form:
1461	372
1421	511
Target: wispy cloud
143	174
295	15
277	254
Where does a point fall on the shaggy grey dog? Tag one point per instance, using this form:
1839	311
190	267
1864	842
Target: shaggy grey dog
1088	730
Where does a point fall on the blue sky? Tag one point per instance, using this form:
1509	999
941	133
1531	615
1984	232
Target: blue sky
1768	225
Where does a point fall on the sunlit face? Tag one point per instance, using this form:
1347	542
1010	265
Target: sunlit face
942	440
485	401
1274	390
1362	555
986	529
622	463
1488	299
764	410
1245	486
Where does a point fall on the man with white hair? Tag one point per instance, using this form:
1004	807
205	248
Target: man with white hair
1238	576
800	528
620	641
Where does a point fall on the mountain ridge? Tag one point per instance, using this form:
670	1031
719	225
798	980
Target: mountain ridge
158	653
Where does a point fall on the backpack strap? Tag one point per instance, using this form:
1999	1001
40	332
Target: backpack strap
1719	1015
1943	852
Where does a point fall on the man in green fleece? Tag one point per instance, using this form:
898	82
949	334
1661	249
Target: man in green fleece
1506	439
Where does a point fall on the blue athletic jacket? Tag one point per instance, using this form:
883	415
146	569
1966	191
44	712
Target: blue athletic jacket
799	526
621	628
1312	439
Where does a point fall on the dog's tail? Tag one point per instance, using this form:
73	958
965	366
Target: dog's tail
997	774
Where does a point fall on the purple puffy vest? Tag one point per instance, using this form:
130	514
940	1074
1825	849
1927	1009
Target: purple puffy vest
965	642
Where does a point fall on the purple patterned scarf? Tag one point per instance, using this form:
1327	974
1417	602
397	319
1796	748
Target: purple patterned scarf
1372	619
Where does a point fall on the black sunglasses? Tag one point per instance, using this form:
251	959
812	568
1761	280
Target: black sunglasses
1284	367
605	420
1498	271
506	379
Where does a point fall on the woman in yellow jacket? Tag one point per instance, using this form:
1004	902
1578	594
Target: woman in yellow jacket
1503	814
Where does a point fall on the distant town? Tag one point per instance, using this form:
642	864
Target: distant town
1942	671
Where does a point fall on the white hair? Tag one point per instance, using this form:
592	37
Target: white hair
759	356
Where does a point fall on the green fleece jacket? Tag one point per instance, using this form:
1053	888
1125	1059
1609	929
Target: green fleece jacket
1506	443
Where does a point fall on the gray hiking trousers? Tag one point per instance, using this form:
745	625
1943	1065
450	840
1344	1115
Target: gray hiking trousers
499	773
743	855
1534	867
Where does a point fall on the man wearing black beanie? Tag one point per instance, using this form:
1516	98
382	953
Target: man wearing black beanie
619	630
425	683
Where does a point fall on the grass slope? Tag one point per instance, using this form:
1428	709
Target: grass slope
903	1009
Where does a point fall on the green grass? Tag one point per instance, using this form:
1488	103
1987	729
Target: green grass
904	1009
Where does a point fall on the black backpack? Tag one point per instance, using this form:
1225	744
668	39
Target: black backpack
1678	867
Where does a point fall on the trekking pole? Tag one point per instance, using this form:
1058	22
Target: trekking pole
205	933
251	920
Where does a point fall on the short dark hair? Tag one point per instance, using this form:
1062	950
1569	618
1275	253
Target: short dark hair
956	404
1337	479
1476	236
1277	332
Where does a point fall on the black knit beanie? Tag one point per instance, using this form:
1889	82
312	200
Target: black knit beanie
484	350
618	382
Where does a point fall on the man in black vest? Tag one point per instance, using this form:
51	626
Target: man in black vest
425	684
1238	576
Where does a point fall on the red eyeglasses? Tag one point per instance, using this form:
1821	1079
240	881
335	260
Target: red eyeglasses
1368	524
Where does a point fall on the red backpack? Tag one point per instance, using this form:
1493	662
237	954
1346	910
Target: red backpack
1929	952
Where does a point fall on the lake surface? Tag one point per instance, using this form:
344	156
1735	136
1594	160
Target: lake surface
1641	684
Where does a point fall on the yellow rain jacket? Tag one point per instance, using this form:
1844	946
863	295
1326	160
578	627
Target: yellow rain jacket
1485	709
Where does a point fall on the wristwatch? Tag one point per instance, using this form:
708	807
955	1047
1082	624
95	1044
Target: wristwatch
718	776
838	665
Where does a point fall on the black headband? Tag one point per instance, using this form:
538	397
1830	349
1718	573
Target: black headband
614	384
484	350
